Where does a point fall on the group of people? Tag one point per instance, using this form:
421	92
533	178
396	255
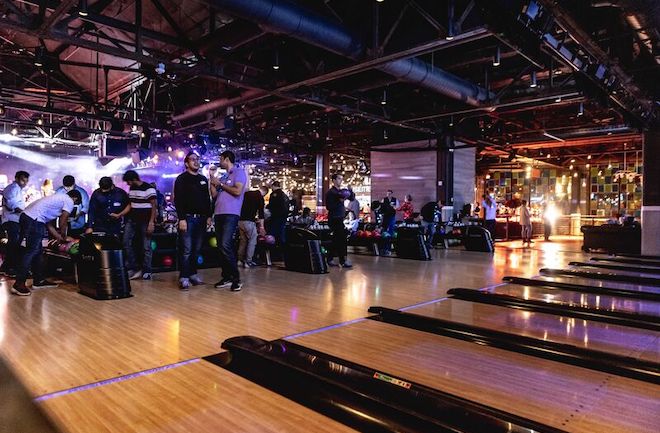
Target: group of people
201	203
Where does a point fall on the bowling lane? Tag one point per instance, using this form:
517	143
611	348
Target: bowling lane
632	272
198	397
541	390
599	283
587	300
600	336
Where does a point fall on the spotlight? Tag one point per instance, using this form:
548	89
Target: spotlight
276	62
169	148
532	78
207	99
190	135
580	109
588	156
384	100
39	57
496	58
2	110
82	8
40	121
160	68
451	120
14	131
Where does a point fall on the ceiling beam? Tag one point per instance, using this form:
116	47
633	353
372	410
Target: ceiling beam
63	7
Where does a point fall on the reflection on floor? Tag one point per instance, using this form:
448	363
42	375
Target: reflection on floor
84	356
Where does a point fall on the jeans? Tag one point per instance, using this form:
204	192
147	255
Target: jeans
277	228
33	231
190	244
429	231
13	251
248	240
338	239
132	229
526	232
225	229
490	226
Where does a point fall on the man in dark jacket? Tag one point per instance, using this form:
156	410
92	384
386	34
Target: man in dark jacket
104	206
278	205
334	203
430	214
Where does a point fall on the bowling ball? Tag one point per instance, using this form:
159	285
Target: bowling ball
154	245
167	261
270	239
213	242
63	247
376	235
360	233
200	260
368	234
344	193
74	250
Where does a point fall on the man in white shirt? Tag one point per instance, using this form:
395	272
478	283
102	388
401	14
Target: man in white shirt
13	204
37	217
490	213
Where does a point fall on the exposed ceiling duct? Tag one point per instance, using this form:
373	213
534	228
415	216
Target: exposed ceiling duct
281	16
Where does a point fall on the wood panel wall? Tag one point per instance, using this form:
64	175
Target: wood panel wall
413	173
464	177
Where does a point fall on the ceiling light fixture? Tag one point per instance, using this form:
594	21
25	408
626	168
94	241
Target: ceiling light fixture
276	63
384	100
581	109
496	58
532	78
82	8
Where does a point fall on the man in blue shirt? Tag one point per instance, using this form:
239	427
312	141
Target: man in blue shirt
104	207
13	204
77	219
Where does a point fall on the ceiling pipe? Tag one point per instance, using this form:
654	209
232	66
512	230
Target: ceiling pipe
284	17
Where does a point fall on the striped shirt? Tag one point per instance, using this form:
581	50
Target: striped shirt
140	198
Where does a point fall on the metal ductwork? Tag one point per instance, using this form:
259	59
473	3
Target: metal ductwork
281	16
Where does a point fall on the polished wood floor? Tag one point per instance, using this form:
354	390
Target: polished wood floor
133	365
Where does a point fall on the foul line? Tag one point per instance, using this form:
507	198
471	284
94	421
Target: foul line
113	380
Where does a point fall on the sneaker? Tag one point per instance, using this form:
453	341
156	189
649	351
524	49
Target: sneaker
20	290
236	286
252	264
332	263
43	284
240	263
247	265
146	276
135	275
223	283
195	280
9	273
347	264
184	284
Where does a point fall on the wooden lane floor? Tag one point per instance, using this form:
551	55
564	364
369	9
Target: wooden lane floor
593	335
599	283
198	397
538	389
58	339
587	300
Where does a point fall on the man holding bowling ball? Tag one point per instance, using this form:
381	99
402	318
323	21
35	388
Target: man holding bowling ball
334	202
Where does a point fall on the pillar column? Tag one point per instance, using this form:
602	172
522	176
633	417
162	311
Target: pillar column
651	193
322	178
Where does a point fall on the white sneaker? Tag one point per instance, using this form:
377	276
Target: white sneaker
184	284
135	275
146	276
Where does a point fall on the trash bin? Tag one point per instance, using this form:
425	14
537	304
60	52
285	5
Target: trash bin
100	269
302	252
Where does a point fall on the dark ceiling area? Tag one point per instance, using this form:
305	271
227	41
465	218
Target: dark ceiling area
513	78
